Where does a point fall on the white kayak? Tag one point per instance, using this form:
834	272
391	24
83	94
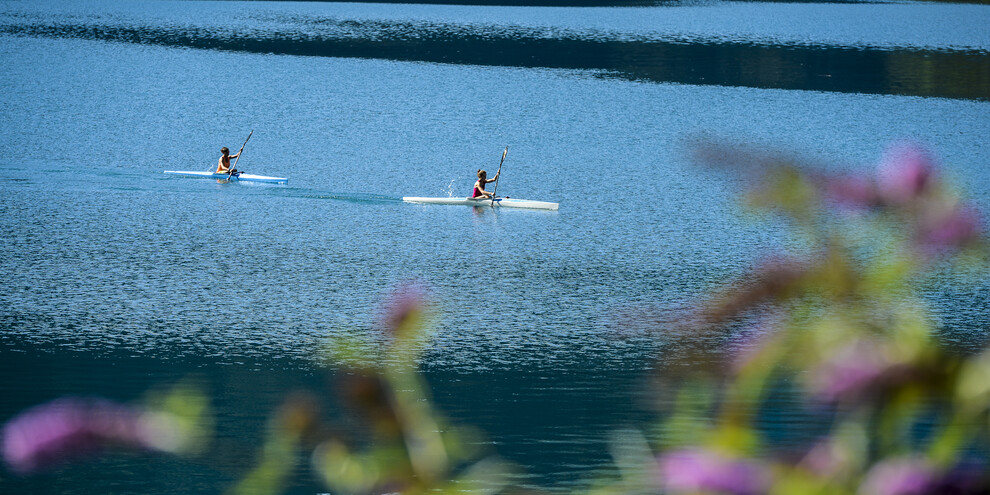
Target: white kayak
503	202
240	177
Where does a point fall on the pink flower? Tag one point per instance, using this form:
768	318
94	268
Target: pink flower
952	230
404	306
906	172
70	427
696	470
906	476
827	459
854	371
854	191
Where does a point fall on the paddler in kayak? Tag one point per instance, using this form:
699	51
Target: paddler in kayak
479	187
223	166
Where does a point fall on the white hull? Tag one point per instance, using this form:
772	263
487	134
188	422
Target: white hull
240	177
502	202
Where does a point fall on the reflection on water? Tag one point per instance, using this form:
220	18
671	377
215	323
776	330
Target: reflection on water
641	56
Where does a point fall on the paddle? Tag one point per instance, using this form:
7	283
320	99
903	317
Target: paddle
234	166
495	189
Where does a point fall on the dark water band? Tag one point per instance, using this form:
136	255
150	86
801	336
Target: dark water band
959	74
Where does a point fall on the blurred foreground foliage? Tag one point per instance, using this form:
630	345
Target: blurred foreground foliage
839	318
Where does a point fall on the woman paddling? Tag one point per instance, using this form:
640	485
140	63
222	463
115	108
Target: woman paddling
479	187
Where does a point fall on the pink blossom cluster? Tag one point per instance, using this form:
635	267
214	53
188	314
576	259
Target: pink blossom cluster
70	427
704	471
906	181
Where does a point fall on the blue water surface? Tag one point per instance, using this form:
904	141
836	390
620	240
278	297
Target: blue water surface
117	277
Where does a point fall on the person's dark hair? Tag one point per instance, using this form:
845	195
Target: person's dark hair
224	150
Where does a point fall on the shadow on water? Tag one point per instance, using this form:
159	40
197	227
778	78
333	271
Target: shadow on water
127	376
961	74
246	390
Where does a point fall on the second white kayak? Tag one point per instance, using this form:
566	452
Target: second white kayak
500	202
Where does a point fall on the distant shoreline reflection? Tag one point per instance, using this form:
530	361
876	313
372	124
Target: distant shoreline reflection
958	74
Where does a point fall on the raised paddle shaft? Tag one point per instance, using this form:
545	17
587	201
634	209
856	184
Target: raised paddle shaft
495	189
234	166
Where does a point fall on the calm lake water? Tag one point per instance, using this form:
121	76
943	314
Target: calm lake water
117	278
